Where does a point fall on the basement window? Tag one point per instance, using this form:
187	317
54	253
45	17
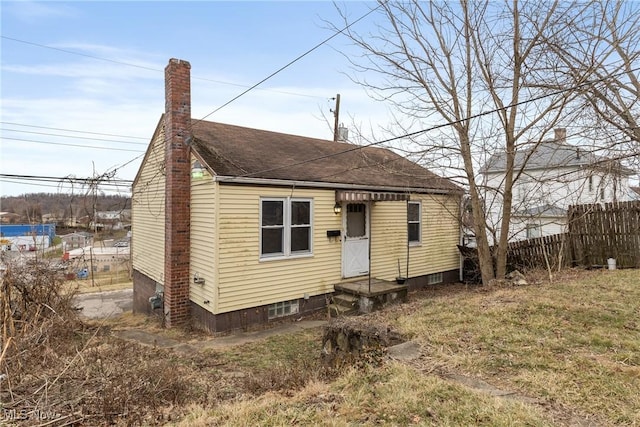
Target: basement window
434	279
284	308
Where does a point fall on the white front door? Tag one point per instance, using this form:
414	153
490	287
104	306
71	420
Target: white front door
355	243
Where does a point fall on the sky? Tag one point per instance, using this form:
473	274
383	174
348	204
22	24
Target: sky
82	82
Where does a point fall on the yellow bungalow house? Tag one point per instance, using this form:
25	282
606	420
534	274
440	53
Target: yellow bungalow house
233	226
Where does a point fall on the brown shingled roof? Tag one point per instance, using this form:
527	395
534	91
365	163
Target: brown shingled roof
252	153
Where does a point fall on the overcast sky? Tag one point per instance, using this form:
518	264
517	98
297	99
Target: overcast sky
82	82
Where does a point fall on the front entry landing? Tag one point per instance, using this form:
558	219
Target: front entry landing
364	296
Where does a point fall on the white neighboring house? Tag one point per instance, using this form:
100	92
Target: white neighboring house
109	220
112	259
555	175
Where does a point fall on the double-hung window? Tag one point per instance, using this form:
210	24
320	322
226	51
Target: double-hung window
285	227
533	231
414	222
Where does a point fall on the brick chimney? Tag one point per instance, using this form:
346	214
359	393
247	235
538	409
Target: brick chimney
560	135
177	132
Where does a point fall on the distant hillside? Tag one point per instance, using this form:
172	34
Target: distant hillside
32	207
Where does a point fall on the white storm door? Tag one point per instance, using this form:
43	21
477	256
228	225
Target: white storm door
355	243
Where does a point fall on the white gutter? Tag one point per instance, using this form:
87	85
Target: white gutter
326	185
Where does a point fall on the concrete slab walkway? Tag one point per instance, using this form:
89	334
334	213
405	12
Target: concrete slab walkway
98	305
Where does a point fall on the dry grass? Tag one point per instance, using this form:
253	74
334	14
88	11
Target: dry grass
568	350
575	342
103	282
394	394
573	346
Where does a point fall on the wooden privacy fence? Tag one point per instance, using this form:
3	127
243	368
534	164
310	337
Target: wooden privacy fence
541	252
599	232
595	234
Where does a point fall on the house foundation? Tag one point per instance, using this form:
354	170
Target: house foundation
145	288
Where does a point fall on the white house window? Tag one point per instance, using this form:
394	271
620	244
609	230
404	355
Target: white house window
272	227
590	184
533	231
524	190
414	222
300	226
285	227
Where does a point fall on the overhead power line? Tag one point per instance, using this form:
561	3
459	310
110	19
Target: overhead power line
250	88
418	132
116	168
325	41
109	184
68	185
75	131
73	136
72	145
70	179
64	186
143	67
86	55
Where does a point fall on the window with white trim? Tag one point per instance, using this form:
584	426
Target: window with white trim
524	190
533	231
414	222
285	227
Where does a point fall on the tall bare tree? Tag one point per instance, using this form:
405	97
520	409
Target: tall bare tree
485	68
455	62
604	44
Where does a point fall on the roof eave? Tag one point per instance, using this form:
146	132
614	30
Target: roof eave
330	185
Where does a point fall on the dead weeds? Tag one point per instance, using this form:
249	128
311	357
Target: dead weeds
57	369
571	344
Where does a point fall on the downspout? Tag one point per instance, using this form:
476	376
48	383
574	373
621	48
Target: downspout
407	209
461	239
369	209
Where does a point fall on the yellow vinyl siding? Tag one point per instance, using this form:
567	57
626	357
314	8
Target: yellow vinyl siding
388	239
147	215
203	241
440	234
247	281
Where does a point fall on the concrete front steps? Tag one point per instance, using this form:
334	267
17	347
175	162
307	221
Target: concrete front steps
343	305
365	296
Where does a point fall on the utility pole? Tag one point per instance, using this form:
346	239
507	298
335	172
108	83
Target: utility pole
95	199
336	115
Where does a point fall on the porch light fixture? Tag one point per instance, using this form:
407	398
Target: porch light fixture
337	208
197	171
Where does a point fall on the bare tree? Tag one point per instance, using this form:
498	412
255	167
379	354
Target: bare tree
484	68
605	45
